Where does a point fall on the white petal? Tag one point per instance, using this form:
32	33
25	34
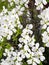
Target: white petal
42	58
37	60
29	61
34	63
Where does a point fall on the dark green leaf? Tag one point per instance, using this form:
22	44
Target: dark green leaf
24	63
47	0
40	63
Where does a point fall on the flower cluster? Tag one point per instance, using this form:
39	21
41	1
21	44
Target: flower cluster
20	5
45	25
39	4
9	20
28	50
13	57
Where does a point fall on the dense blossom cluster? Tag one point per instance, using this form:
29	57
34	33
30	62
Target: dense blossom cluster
28	49
9	20
13	57
20	5
45	25
40	3
44	16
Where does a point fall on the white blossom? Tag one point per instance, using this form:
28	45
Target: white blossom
44	15
33	54
39	4
8	24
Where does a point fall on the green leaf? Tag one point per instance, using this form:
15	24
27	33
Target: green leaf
1	53
16	35
8	46
43	30
47	0
40	63
24	63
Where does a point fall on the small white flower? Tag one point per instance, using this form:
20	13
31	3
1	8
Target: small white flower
29	61
44	26
36	60
26	47
19	58
21	40
12	48
8	38
48	29
39	4
37	45
6	50
42	58
27	55
47	44
20	45
34	63
17	63
29	26
4	54
42	49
